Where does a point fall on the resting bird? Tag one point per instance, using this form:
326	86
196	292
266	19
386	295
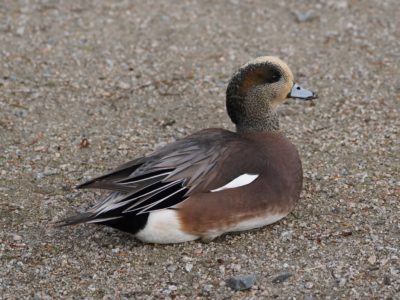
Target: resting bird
214	181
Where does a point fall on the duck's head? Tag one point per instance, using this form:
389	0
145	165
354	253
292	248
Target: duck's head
257	89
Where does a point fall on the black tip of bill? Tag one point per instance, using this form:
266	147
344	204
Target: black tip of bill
301	93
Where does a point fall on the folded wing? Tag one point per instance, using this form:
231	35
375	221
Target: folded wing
202	162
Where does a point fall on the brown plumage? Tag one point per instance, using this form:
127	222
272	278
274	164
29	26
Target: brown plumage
213	181
275	191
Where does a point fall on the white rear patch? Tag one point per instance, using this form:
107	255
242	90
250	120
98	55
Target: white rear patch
163	227
239	181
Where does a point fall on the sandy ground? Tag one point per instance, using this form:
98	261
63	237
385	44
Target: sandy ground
87	85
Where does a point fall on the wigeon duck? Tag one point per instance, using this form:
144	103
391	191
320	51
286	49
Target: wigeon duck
214	181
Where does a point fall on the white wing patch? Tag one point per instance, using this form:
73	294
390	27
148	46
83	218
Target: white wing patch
243	179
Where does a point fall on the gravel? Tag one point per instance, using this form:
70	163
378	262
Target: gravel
87	85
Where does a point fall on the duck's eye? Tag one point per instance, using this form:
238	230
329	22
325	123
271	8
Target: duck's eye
276	77
273	77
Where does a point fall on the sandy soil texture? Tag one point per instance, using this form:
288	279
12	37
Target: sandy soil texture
87	85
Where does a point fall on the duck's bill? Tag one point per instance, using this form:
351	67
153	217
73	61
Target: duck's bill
301	93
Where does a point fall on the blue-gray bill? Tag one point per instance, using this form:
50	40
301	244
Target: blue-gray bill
301	93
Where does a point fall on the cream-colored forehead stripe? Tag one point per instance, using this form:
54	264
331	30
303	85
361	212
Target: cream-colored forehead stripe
272	60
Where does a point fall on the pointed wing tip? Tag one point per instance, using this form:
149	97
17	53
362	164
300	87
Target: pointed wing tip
74	220
60	223
80	186
85	185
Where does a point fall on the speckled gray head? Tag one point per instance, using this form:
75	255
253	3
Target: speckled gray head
257	89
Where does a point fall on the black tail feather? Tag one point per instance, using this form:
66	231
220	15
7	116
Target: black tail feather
131	225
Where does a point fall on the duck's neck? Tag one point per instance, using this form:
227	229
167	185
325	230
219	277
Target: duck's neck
269	123
252	117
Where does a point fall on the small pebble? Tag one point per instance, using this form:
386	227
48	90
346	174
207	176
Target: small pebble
372	259
241	282
286	236
50	171
123	85
16	237
303	16
341	282
39	175
172	268
308	285
20	30
207	288
188	267
282	278
172	287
